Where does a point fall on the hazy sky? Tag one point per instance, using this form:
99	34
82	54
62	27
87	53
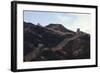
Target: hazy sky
71	21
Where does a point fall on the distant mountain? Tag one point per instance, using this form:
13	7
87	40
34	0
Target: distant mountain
54	42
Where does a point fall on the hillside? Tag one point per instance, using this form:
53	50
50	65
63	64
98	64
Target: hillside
54	42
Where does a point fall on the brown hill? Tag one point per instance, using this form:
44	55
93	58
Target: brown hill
54	42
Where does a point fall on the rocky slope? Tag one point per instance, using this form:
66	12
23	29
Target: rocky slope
54	42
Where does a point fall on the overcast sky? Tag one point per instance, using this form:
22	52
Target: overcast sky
71	21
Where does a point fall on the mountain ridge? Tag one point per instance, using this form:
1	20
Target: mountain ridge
52	35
